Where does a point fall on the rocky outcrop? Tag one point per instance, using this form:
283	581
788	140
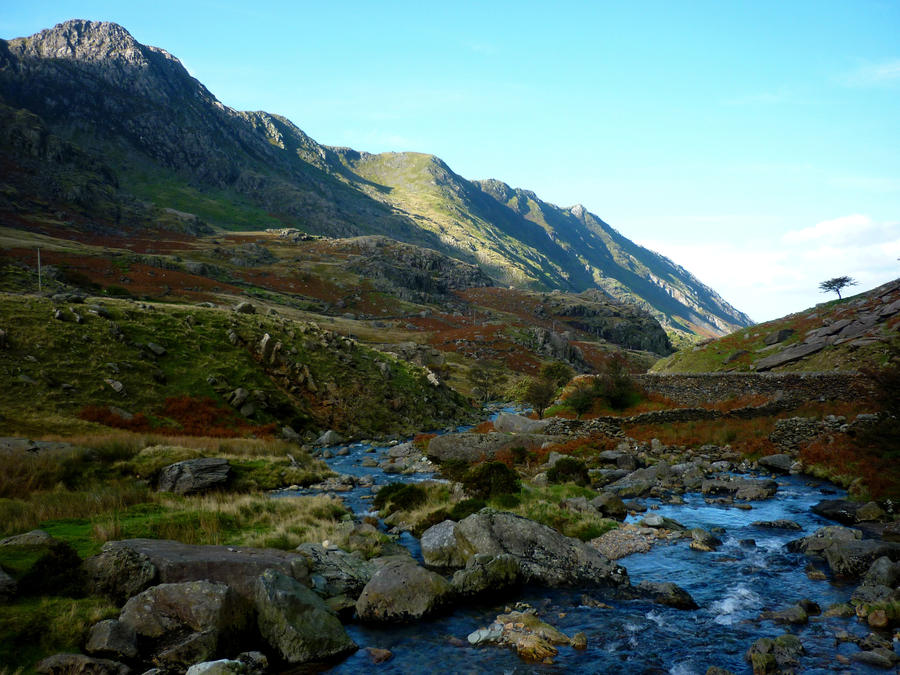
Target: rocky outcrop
545	556
402	591
333	572
846	552
296	621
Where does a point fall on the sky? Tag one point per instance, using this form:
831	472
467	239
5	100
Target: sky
757	144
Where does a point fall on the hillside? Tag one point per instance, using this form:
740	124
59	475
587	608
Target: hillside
845	334
102	133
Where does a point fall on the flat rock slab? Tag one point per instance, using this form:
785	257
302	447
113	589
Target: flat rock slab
237	567
194	475
788	355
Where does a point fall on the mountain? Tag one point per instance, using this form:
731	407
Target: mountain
102	131
846	334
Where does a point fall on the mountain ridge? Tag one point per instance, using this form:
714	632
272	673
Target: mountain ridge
172	144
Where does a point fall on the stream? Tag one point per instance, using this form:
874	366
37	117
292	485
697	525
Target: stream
750	573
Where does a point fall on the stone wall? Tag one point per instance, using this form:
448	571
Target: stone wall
696	388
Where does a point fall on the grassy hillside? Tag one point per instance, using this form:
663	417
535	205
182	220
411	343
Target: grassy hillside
850	334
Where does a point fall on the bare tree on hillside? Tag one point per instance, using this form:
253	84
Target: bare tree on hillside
837	284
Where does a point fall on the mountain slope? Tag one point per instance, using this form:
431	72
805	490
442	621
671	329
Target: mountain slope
847	334
166	142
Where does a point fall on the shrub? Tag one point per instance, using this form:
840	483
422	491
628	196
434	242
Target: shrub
581	398
454	469
399	497
569	470
490	479
558	373
466	508
616	385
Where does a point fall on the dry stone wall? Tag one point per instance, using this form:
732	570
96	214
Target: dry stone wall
697	388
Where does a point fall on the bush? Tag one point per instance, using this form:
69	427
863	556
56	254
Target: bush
466	508
490	479
569	470
454	469
558	373
581	398
616	385
399	497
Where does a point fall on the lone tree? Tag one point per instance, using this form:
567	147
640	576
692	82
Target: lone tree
837	284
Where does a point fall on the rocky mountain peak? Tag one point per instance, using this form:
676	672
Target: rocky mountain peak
81	40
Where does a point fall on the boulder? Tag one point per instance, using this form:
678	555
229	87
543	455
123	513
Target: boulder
777	524
770	656
546	556
869	512
79	664
823	538
610	505
701	540
334	572
532	638
471	447
841	510
220	667
186	623
487	575
297	622
788	355
778	336
852	559
119	572
112	638
666	593
245	308
747	489
194	475
517	424
330	437
781	463
795	614
441	547
402	591
147	561
657	521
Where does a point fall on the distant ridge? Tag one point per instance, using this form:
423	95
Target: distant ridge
99	126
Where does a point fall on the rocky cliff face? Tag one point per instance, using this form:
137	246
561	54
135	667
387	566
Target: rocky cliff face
145	127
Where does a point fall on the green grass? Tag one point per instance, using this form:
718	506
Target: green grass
32	628
361	400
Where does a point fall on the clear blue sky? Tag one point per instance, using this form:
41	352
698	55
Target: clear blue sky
755	143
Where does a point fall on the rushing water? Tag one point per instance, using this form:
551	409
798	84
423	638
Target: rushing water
750	573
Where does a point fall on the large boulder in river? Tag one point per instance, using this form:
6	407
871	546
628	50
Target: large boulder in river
847	553
194	475
517	424
441	547
781	463
296	621
402	591
841	510
182	624
471	447
487	575
124	568
545	556
746	489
